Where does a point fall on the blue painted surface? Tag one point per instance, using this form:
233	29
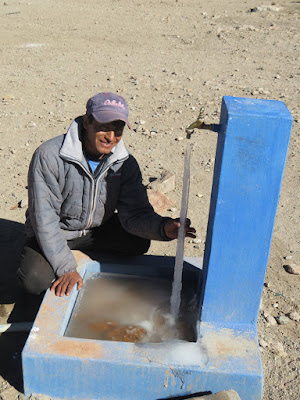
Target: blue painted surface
251	153
252	145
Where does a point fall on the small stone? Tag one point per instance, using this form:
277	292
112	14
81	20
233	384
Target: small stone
263	343
141	122
271	320
196	246
196	241
267	284
279	349
13	151
275	305
288	257
283	320
199	195
172	209
292	269
23	203
179	138
294	316
31	124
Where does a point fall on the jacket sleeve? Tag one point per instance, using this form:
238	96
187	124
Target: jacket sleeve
44	202
135	212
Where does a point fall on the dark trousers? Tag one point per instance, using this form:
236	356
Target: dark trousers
36	275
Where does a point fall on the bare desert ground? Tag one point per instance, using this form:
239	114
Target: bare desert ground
167	58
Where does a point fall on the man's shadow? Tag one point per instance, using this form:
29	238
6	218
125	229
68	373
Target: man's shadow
12	237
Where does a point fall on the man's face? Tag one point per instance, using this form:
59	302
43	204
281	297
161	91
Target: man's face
101	138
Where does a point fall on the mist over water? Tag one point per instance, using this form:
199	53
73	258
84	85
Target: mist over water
130	309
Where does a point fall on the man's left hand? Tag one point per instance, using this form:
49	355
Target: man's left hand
172	225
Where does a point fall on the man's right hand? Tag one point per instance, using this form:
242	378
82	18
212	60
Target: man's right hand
64	284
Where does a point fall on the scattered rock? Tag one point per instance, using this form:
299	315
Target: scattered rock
273	8
294	316
279	349
263	343
179	138
165	183
271	320
282	320
288	257
292	269
23	203
172	209
197	241
9	393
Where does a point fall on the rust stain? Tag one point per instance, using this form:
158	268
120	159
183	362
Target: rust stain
73	348
115	332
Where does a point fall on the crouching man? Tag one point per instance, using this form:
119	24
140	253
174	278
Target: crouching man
85	192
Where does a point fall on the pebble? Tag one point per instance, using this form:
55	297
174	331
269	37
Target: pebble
294	316
271	320
13	151
279	349
196	246
172	209
288	257
196	241
179	138
263	343
292	269
199	195
31	124
23	203
283	320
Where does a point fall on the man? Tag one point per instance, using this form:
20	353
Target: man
85	191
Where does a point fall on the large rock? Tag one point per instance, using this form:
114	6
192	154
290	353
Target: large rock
159	201
165	183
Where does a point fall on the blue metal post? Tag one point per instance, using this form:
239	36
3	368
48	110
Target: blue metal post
251	153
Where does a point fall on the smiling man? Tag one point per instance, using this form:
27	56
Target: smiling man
85	192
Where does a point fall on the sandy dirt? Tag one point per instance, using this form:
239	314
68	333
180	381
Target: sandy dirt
167	58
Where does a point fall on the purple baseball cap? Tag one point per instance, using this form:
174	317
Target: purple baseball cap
108	107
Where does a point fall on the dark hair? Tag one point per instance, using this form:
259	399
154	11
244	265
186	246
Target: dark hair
90	118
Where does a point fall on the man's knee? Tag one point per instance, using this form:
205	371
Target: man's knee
35	274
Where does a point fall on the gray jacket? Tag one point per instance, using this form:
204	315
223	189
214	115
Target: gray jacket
65	199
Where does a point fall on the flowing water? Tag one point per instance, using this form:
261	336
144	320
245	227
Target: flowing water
130	309
177	281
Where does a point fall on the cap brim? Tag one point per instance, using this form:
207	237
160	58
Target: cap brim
105	117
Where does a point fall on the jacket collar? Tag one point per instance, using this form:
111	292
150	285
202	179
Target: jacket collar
72	146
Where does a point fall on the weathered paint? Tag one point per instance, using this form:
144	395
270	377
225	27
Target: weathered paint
251	152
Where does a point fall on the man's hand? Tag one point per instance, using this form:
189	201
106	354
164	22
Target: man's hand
64	285
172	225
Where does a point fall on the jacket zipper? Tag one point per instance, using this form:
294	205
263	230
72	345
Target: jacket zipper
94	191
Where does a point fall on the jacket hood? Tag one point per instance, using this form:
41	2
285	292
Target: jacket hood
72	146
